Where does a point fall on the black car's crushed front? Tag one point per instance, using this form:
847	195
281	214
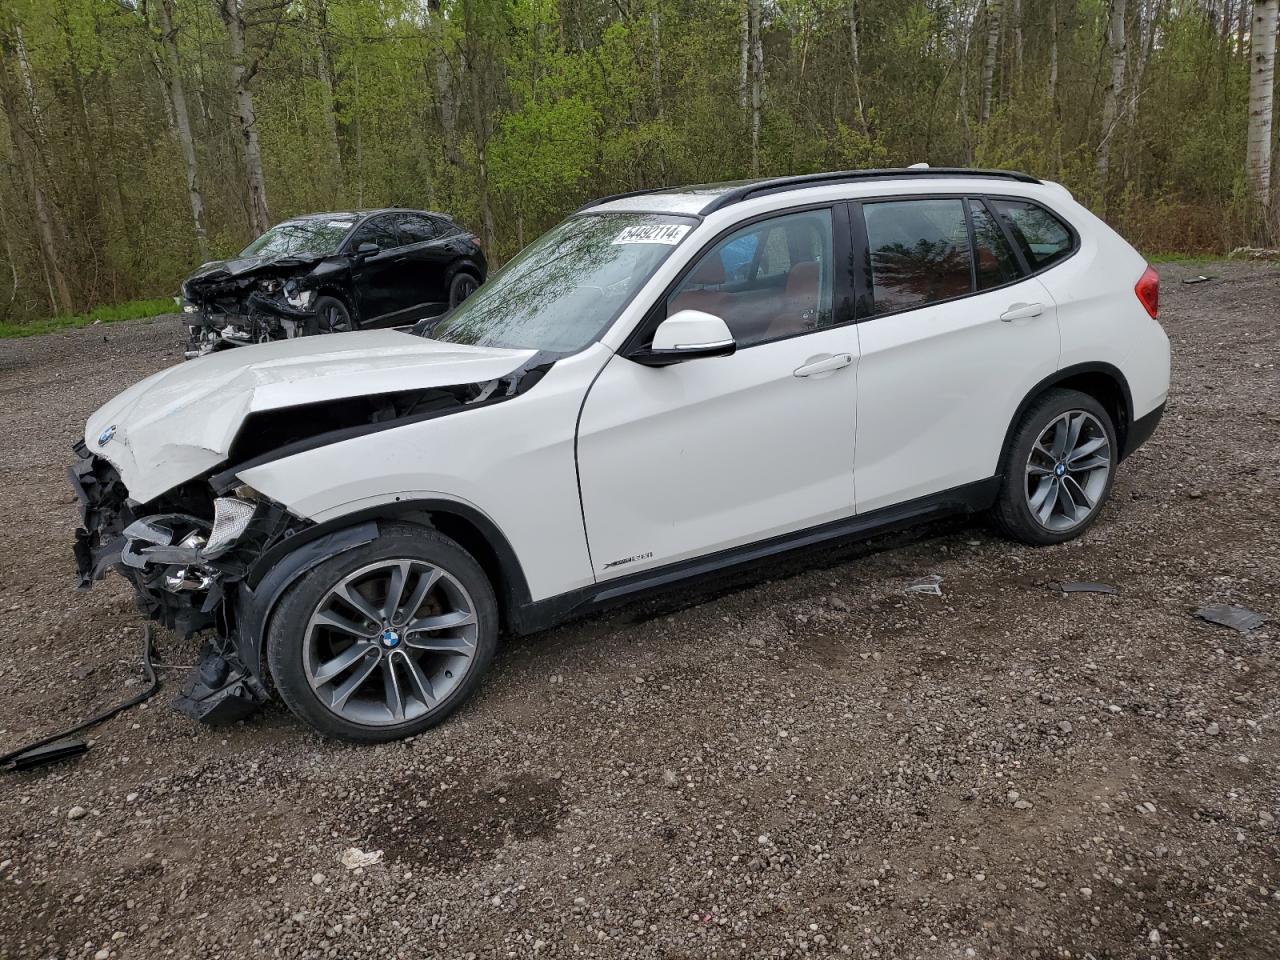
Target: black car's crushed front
333	272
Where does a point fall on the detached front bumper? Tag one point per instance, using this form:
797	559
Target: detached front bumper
185	574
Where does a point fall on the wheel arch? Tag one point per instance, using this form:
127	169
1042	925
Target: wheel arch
1102	381
280	567
339	292
464	264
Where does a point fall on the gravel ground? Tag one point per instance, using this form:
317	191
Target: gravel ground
817	764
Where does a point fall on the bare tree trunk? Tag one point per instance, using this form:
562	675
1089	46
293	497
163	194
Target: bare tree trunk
994	8
442	76
1015	11
325	76
757	84
1117	43
1053	55
744	53
657	61
241	75
480	119
963	45
1262	70
177	99
856	63
24	152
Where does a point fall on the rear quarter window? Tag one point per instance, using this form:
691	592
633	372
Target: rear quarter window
1041	236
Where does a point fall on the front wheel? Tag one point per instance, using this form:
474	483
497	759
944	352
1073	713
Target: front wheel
1057	470
332	316
385	640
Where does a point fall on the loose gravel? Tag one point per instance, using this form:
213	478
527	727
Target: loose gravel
812	762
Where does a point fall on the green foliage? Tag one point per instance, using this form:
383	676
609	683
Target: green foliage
112	313
510	113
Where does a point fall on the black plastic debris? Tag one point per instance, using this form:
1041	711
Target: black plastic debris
1230	615
219	689
62	745
1198	279
1082	586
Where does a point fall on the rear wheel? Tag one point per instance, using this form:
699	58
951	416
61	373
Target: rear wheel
462	286
1057	470
385	640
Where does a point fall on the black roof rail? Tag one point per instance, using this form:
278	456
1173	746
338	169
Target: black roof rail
778	184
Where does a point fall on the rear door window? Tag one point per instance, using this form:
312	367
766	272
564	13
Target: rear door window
918	252
415	228
1042	237
380	231
993	261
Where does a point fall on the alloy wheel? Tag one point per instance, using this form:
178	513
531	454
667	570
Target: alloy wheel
1067	470
390	642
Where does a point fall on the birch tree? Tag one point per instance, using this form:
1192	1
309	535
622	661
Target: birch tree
1114	94
994	11
1262	71
177	104
243	71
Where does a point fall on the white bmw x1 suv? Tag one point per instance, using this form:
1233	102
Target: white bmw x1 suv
666	384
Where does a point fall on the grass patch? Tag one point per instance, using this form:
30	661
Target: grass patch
110	313
1189	258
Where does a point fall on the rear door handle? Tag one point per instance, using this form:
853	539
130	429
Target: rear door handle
823	365
1022	311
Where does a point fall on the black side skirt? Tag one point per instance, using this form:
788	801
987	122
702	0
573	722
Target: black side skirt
542	614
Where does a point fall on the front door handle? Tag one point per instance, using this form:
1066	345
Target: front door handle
828	364
1022	311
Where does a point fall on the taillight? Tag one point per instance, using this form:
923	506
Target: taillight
1148	291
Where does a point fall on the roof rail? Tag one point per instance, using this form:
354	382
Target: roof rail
776	185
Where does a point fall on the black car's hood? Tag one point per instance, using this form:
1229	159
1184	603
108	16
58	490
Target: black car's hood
217	271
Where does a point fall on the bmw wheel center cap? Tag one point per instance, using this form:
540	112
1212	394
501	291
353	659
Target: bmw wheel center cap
390	638
1059	470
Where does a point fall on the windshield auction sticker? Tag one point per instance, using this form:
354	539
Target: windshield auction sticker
668	233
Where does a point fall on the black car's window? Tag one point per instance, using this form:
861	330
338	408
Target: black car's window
766	281
416	228
314	235
380	231
918	252
993	259
1044	238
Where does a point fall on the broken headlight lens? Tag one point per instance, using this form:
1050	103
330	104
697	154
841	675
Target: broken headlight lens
298	298
231	518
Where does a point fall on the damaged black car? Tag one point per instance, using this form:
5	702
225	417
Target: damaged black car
332	273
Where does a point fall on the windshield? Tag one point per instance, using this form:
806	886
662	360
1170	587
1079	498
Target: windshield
300	236
564	289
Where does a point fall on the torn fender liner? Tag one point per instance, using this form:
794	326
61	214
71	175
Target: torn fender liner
220	689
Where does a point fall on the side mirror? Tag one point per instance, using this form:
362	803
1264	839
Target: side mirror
367	249
687	335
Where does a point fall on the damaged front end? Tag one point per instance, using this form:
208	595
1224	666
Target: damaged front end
232	308
186	555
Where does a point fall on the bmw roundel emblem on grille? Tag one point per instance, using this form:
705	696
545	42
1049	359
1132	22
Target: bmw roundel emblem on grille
105	436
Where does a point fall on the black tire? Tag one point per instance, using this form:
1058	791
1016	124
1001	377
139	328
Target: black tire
332	316
462	285
287	634
1012	513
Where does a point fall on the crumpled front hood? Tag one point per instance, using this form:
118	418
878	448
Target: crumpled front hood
180	422
220	271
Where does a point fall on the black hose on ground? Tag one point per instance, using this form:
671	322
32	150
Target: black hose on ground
58	746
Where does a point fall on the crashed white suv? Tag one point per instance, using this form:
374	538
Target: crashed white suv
666	384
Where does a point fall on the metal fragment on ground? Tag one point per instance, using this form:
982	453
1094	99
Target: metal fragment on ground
1082	586
1201	279
931	585
1231	615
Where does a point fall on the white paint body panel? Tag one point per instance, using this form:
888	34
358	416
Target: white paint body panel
181	421
684	460
939	386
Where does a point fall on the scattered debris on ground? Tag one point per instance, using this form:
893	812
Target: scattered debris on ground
1230	615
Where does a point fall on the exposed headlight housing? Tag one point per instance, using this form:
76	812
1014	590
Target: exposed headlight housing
299	298
270	285
231	517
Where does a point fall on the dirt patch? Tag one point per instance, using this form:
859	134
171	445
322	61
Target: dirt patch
807	762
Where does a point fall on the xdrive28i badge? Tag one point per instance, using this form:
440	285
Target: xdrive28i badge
105	436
